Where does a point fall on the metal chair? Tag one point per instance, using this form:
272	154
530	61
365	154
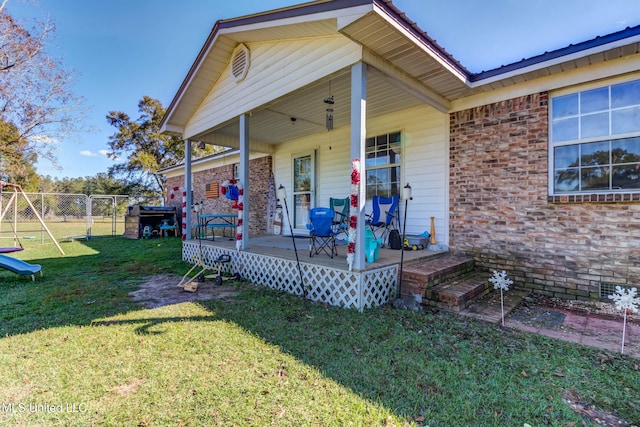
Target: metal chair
384	217
322	237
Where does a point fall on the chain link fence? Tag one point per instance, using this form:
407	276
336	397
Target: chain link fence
65	216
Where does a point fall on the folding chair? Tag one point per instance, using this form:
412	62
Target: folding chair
341	216
321	234
384	217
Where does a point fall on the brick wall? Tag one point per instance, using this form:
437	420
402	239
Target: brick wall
259	171
501	213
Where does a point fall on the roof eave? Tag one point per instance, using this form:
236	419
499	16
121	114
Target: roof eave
549	59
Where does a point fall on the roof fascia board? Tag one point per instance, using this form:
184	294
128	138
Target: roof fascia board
206	159
301	19
599	72
234	142
555	61
203	163
310	8
172	129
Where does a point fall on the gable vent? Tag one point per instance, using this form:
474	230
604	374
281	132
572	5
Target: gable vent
240	63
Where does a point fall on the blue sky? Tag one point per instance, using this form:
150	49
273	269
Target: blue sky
122	50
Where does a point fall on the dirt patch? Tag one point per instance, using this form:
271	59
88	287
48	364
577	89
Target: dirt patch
161	290
538	316
125	390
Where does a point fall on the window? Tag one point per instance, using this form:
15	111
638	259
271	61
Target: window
595	140
383	155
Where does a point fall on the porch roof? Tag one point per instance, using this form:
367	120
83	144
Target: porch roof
400	52
390	41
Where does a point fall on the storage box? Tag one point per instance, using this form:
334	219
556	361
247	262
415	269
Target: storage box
414	243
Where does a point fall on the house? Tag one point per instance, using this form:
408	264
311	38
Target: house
533	167
207	175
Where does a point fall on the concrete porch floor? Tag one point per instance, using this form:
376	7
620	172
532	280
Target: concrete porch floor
283	247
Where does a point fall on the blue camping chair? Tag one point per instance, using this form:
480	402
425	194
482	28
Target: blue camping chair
321	234
384	217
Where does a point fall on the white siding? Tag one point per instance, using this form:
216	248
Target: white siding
425	165
276	69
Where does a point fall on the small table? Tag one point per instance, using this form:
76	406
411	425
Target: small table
166	226
214	221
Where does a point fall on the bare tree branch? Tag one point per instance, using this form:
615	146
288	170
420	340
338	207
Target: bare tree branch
35	91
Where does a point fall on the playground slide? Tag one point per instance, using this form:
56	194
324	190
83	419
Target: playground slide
19	267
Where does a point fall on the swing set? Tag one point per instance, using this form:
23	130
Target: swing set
12	202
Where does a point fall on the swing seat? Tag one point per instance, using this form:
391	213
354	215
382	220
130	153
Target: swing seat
9	250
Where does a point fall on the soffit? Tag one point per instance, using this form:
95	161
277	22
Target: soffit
400	47
273	125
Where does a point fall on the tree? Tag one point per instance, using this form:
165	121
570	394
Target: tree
101	183
147	149
17	164
36	101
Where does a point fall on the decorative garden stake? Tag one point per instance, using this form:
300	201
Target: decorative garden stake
625	300
501	282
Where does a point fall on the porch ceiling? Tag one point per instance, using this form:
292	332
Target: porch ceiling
273	125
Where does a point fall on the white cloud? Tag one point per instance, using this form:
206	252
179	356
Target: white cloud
88	153
103	152
44	139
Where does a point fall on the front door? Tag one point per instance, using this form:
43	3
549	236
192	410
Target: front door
303	190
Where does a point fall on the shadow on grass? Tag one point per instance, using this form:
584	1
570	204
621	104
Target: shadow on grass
427	367
147	324
439	368
92	280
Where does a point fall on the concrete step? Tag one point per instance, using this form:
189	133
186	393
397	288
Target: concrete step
419	276
489	308
457	295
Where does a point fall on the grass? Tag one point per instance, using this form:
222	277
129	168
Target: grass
76	350
32	234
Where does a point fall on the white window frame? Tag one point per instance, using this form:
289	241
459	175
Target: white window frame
580	141
397	164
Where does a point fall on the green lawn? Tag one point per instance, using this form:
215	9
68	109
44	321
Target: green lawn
76	350
32	233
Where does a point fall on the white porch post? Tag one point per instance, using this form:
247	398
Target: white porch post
187	186
244	177
358	137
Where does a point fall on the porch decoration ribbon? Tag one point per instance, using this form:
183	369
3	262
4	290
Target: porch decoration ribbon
239	205
184	208
353	211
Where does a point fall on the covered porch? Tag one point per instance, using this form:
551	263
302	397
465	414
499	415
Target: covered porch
271	261
350	100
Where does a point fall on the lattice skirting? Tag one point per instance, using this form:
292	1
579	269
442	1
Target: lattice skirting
333	286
